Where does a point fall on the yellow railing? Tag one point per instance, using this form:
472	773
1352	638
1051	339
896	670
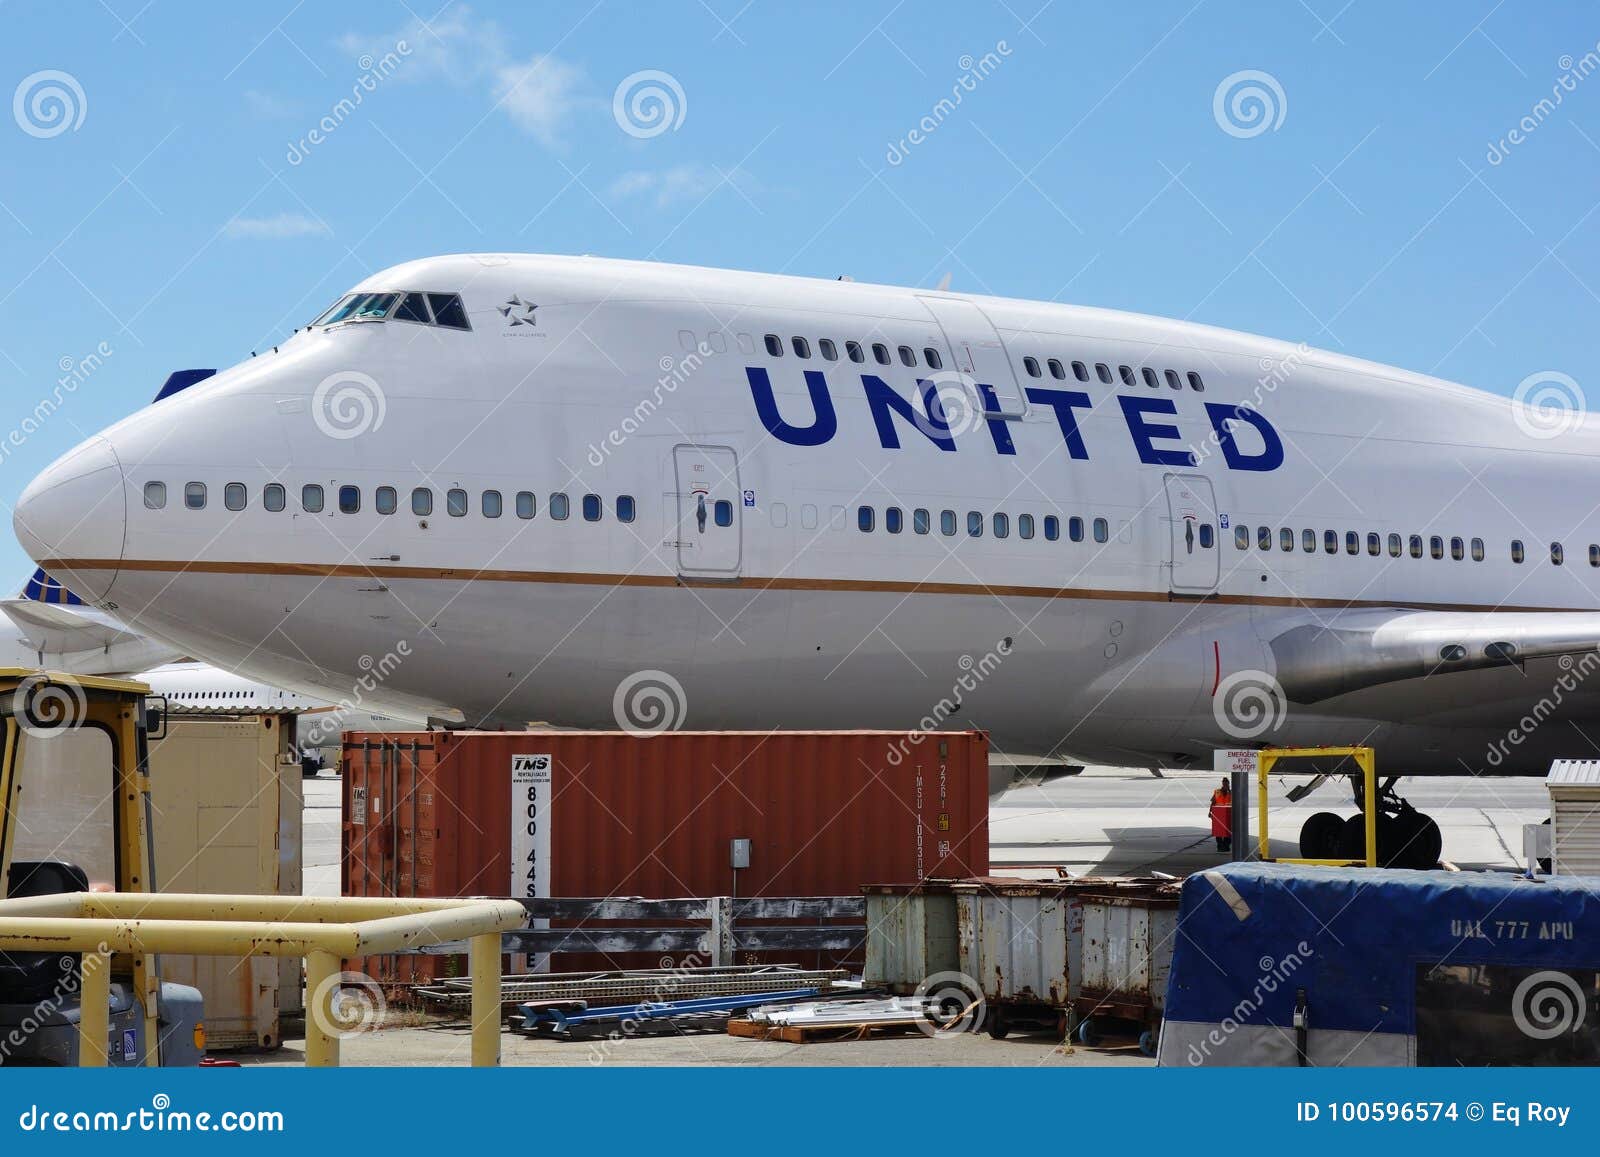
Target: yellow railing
1268	758
324	931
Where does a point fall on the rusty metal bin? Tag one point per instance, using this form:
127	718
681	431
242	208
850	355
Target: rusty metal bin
911	934
1018	940
1126	956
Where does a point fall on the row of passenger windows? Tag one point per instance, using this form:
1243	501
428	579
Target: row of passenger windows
922	522
386	500
1396	545
1130	377
855	351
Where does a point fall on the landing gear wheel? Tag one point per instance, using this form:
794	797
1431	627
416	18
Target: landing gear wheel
1319	836
1417	841
995	1025
1088	1032
1353	840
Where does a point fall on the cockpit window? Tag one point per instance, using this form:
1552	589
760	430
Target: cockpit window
414	307
447	310
339	310
374	307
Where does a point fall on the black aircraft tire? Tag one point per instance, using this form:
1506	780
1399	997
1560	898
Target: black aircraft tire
1319	836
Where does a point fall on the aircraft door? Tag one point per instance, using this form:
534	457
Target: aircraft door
710	509
979	354
1194	553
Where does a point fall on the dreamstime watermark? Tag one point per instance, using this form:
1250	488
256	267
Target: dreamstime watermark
376	672
1274	974
74	372
1275	372
677	976
347	1004
974	672
674	373
1574	672
973	73
48	103
648	103
649	702
347	404
47	705
949	1003
1573	73
1249	704
1549	1004
374	71
1548	404
20	1032
1248	103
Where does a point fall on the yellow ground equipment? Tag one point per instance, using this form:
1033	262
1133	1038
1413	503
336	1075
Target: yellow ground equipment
1322	761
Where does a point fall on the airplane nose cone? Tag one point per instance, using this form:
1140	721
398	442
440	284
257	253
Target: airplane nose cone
71	519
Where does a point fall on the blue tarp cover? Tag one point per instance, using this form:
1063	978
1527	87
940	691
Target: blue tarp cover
1364	933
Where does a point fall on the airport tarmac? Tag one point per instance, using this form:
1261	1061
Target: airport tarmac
1121	821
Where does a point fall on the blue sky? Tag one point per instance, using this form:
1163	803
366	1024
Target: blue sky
173	207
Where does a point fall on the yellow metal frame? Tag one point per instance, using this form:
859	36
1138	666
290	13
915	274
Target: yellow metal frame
325	931
1268	758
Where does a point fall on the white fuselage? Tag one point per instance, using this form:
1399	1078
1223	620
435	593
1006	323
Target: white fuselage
630	381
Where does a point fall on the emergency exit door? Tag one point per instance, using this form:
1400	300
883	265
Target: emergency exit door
709	509
1193	554
979	354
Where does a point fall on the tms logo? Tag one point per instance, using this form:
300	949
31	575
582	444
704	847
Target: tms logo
1157	441
530	763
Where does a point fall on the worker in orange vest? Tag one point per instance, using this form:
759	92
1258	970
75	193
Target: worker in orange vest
1222	816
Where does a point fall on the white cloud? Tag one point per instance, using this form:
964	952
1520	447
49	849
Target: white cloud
275	228
539	93
678	184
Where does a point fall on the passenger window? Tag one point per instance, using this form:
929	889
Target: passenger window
1374	543
560	507
1241	537
893	520
1173	380
1075	528
155	495
1330	541
1102	530
1436	547
414	307
880	353
311	498
194	495
591	509
1207	536
1458	549
384	500
1263	538
1080	371
1414	546
746	343
422	501
1394	546
1002	525
1308	541
1052	528
1057	370
526	504
626	511
1127	375
908	356
1285	539
1352	542
1477	550
234	496
947	522
1594	554
808	516
722	512
1103	371
1516	550
778	512
919	521
931	356
448	310
1031	364
1195	383
1557	555
774	345
853	351
974	524
1024	526
1150	378
687	341
273	496
719	341
492	504
455	502
827	349
349	499
802	348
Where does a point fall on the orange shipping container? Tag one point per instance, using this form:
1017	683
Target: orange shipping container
613	814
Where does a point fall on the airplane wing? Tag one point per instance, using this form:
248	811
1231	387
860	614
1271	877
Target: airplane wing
1351	650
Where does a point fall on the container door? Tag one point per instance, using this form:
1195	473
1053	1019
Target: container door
1192	517
709	509
978	354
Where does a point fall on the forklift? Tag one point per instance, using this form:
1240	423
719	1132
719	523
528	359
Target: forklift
75	817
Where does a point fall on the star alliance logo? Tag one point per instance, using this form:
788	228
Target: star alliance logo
519	312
